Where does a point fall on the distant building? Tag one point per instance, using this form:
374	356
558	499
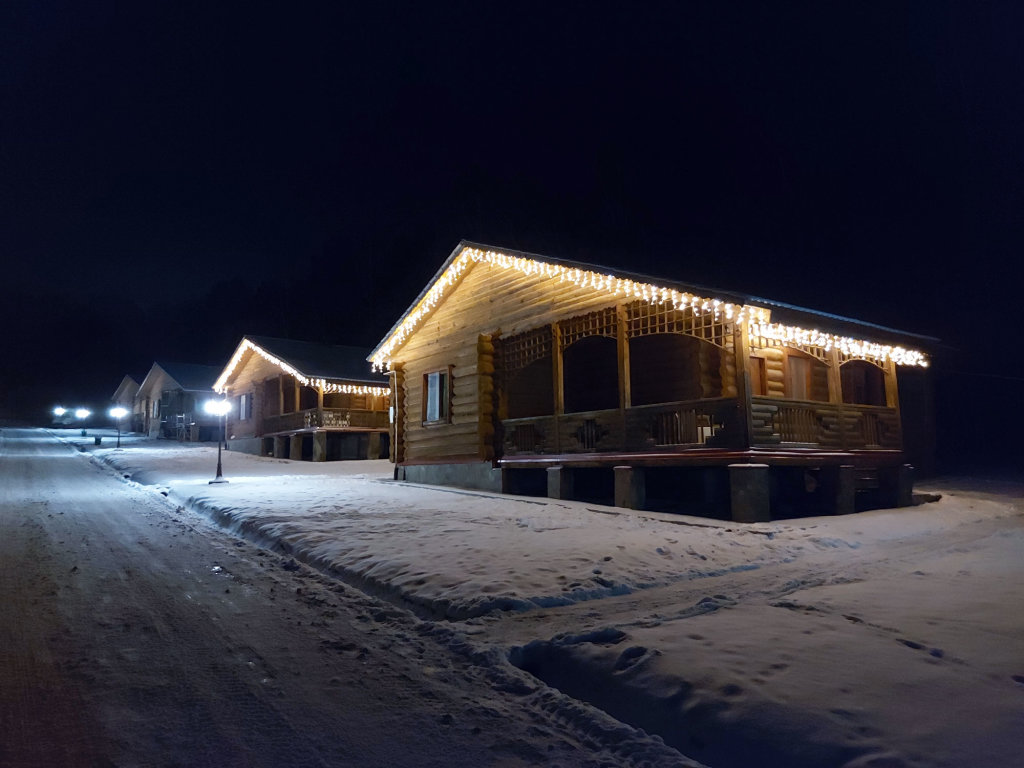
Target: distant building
528	374
303	400
169	402
124	396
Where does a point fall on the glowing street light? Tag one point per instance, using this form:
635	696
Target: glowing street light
82	414
118	413
219	408
59	411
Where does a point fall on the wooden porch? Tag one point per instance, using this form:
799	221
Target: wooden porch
697	425
351	419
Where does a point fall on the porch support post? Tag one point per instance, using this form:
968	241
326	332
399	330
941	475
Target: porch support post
560	483
320	397
835	393
397	426
280	393
298	395
745	423
295	449
840	488
622	339
279	444
557	383
319	446
749	493
892	394
896	486
630	487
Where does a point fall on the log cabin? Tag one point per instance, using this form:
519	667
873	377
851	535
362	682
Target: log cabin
526	374
169	402
303	400
124	396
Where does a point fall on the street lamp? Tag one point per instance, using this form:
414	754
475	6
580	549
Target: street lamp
59	411
219	408
82	414
118	413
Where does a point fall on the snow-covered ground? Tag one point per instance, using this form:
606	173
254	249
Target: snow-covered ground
888	638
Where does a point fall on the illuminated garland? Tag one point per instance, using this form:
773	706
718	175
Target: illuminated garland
329	387
755	317
793	336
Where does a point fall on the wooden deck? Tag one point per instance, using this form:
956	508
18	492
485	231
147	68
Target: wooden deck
698	425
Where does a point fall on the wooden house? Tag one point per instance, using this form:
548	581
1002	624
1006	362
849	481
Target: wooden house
528	374
169	402
124	397
302	400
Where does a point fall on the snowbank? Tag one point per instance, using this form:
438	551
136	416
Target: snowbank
887	638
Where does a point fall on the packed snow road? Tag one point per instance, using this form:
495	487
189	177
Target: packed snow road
134	632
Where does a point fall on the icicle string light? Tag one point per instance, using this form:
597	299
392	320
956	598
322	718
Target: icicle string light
329	387
801	337
755	317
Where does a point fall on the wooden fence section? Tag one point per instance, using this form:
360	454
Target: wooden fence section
824	425
663	427
330	418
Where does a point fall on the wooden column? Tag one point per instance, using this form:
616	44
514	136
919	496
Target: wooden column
892	393
280	394
557	381
397	377
622	338
298	396
556	369
741	343
835	393
892	398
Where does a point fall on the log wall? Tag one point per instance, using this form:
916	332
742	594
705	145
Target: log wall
487	300
248	378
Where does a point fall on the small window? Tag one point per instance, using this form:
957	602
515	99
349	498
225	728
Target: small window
437	396
244	407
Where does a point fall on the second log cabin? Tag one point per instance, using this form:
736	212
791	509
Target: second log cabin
528	374
304	400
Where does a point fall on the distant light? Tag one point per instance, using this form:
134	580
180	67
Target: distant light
59	411
217	407
118	412
82	413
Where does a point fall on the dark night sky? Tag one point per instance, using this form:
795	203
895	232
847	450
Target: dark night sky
173	175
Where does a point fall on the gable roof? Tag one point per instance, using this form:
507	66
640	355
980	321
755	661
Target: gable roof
126	389
617	282
308	361
190	377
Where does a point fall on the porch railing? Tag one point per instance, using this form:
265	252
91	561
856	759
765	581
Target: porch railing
710	423
331	418
661	427
824	425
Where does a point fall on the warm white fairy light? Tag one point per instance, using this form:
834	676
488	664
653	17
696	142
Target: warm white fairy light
801	337
756	317
329	387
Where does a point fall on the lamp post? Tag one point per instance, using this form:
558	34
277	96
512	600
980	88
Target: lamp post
118	413
219	408
82	414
